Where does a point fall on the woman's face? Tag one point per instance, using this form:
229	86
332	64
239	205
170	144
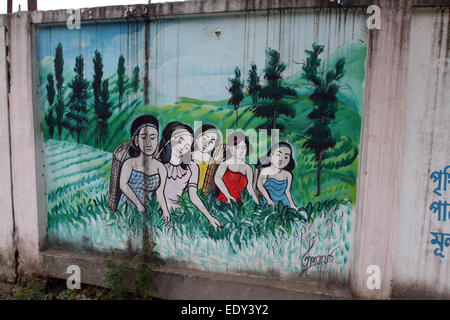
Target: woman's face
181	142
147	140
239	151
206	142
281	157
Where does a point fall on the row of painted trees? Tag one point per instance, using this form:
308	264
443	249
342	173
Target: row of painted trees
73	115
268	103
267	99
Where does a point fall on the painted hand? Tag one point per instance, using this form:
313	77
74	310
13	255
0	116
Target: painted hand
230	200
215	223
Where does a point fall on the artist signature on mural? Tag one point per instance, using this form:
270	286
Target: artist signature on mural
309	260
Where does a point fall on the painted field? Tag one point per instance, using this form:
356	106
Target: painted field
254	240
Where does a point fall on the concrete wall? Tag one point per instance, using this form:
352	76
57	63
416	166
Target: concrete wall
7	245
25	134
421	266
383	134
394	192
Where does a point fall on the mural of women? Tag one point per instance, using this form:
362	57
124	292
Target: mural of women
234	174
206	140
275	178
182	172
141	174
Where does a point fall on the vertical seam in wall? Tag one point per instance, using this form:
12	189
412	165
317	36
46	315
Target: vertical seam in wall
362	162
8	88
406	25
146	63
39	149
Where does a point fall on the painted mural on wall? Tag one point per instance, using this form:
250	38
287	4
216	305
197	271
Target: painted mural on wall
135	118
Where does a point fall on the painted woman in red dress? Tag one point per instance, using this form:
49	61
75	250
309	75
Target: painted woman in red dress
234	174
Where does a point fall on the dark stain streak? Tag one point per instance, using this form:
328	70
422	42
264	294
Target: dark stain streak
246	41
328	15
178	60
316	25
345	24
291	45
448	40
353	26
280	31
147	58
267	32
339	28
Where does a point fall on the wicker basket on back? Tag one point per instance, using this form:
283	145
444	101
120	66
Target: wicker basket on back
120	155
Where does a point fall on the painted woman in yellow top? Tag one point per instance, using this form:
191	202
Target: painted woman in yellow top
206	139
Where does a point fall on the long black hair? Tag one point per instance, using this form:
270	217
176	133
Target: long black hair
234	139
139	123
266	162
200	131
165	151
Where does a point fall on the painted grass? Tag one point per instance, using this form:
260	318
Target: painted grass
254	239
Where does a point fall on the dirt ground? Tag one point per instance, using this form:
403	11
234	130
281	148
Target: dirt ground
6	291
48	289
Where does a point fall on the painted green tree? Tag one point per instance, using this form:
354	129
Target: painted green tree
49	117
342	155
97	88
273	106
254	87
121	79
235	89
76	119
319	136
60	106
136	80
104	112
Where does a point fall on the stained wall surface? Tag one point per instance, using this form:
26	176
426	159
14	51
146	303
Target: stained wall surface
422	255
7	249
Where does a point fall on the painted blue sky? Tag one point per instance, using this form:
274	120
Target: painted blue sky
189	59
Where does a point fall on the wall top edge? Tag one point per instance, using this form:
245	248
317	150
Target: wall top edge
183	8
169	10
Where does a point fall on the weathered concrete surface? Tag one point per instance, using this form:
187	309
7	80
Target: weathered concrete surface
382	151
182	283
169	10
7	248
418	271
30	226
186	8
7	265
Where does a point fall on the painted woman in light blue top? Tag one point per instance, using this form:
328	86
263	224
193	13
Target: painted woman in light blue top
141	174
275	176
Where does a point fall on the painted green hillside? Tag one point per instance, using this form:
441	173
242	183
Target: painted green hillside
340	164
